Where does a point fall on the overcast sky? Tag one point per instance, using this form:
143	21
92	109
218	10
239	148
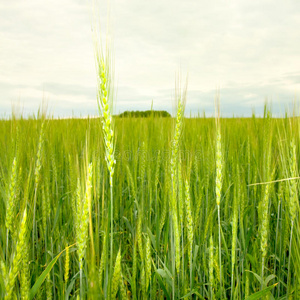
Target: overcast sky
249	49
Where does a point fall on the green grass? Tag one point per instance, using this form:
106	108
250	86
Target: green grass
51	183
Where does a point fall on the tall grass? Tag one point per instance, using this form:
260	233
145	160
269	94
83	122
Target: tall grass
246	246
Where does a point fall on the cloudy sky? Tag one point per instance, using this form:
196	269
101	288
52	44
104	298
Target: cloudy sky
249	49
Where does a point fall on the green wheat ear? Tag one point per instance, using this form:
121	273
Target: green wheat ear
104	83
293	183
37	171
11	200
25	273
67	265
293	201
83	214
148	261
82	220
116	276
219	166
189	221
18	257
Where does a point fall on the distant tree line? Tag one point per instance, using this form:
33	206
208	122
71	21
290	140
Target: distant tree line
144	114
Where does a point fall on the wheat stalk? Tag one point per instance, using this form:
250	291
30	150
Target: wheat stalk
219	178
173	166
103	258
234	235
211	266
83	220
104	96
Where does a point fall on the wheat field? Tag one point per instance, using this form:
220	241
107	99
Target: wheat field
196	208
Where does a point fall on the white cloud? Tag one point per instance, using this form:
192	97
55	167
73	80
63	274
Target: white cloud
250	49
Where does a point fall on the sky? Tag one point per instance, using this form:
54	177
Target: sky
249	50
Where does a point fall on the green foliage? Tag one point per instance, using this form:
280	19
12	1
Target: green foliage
146	199
144	114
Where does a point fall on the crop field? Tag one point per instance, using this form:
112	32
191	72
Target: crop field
150	208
